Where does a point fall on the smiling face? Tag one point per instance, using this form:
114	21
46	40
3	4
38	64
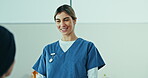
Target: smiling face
65	23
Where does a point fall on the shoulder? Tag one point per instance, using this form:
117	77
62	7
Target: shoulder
87	43
90	43
51	45
49	48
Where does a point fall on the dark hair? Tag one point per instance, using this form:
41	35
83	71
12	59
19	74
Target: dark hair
67	9
7	50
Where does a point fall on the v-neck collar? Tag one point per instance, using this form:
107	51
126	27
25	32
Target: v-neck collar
74	44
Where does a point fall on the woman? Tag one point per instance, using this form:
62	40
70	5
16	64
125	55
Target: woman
70	57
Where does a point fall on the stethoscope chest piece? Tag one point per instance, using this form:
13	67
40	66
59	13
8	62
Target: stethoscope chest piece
51	59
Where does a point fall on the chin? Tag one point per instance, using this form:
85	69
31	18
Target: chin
65	33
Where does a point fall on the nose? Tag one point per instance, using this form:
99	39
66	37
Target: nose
63	24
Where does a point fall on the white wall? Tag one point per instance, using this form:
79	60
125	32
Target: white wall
87	11
111	11
28	11
123	47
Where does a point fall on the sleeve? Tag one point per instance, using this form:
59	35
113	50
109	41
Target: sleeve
40	65
40	76
94	58
93	73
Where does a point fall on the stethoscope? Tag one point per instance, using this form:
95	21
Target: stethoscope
52	56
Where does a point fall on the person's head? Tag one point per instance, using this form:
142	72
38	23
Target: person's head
7	52
65	19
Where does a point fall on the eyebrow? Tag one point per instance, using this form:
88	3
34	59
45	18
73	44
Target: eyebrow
64	18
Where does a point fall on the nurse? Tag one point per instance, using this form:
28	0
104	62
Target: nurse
69	57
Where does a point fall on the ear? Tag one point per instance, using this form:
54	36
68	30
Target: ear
74	21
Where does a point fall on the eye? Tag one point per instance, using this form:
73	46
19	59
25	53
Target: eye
66	19
57	21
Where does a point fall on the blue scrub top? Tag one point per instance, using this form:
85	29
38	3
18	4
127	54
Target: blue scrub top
74	63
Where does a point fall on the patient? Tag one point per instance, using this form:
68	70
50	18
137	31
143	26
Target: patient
7	52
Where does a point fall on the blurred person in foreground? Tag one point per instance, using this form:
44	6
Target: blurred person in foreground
7	52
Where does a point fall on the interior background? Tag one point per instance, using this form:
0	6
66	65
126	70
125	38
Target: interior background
117	27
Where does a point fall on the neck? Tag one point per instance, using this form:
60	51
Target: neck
71	37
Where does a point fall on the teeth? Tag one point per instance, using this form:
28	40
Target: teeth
64	28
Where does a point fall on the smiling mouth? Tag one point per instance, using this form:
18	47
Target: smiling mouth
64	29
